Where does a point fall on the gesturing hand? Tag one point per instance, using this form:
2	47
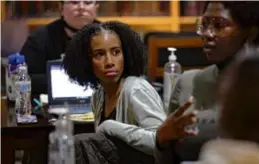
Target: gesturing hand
174	125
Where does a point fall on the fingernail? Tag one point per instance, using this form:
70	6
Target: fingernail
191	99
195	112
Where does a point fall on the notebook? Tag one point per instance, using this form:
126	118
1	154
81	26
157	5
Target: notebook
61	90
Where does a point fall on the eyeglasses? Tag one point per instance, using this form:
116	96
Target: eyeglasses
217	25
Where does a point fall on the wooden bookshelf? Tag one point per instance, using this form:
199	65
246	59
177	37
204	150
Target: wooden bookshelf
188	20
172	22
3	11
134	21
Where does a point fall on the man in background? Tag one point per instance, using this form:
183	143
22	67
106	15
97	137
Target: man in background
49	42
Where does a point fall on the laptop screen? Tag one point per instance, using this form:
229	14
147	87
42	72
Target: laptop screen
62	88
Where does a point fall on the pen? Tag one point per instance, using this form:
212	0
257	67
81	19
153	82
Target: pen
37	102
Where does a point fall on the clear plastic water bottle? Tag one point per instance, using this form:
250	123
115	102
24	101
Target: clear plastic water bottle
61	141
23	92
172	70
12	69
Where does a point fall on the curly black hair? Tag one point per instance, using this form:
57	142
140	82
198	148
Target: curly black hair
244	13
77	62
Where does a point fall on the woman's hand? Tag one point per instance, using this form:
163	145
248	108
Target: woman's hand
174	126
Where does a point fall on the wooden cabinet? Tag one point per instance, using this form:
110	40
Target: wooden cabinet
170	16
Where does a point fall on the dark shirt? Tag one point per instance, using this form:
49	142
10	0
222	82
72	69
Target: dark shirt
43	44
112	116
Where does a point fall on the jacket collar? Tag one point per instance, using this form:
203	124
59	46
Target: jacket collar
72	28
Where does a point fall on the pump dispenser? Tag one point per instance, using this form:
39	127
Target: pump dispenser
172	70
172	56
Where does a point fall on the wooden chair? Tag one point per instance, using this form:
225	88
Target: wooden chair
189	52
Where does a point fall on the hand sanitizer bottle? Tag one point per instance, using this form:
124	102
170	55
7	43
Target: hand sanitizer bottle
172	70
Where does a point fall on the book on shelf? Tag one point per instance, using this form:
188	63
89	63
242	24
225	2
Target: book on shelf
21	9
192	8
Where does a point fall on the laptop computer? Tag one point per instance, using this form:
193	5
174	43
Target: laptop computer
62	90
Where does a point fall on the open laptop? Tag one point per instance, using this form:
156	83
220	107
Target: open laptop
62	90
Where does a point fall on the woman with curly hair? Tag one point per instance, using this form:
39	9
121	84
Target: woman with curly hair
228	30
111	58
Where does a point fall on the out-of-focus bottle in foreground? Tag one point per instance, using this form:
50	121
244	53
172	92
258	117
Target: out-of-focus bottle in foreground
61	141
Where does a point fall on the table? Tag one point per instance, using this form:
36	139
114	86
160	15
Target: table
29	137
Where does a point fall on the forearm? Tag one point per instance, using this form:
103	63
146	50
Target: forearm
139	138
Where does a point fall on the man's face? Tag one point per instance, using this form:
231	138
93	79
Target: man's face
77	14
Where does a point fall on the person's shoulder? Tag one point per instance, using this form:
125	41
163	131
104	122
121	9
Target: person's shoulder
44	31
133	84
186	78
207	75
189	74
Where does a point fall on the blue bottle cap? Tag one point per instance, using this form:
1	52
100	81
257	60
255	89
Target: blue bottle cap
15	59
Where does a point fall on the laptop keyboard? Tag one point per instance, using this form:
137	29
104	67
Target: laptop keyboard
76	109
